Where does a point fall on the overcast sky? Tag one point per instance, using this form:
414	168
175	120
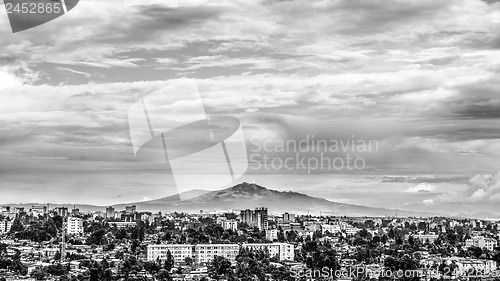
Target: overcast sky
419	77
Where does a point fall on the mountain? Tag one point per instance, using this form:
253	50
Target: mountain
480	215
250	195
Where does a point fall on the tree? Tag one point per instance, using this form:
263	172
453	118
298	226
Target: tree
56	270
220	267
16	226
96	237
169	262
188	260
163	275
39	274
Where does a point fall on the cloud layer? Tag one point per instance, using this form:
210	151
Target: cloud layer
420	77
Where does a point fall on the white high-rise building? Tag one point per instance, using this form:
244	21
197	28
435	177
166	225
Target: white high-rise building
74	225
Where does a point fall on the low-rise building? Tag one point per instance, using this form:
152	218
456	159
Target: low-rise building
284	251
205	253
482	242
423	237
272	234
179	252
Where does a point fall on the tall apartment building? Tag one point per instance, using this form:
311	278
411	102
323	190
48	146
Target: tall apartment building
256	218
287	217
131	209
247	216
482	242
74	226
110	212
62	211
179	252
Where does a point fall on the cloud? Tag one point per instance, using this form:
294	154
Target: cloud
418	76
428	202
481	188
422	188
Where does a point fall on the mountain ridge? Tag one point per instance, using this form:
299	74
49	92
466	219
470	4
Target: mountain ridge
250	195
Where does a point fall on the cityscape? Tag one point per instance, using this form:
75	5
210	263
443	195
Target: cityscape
265	140
49	242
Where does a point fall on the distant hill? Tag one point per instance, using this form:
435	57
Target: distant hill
249	195
157	204
480	215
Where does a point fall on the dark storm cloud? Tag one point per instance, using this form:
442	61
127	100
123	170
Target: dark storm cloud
149	21
476	101
424	179
6	59
491	1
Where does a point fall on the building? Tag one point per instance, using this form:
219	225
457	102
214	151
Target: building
257	218
62	211
74	226
128	217
110	212
122	224
481	242
284	251
131	209
38	210
179	252
205	253
330	228
145	217
247	216
272	234
261	218
288	217
5	226
229	224
423	237
5	209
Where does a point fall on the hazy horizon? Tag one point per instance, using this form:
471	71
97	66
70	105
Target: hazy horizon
408	89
